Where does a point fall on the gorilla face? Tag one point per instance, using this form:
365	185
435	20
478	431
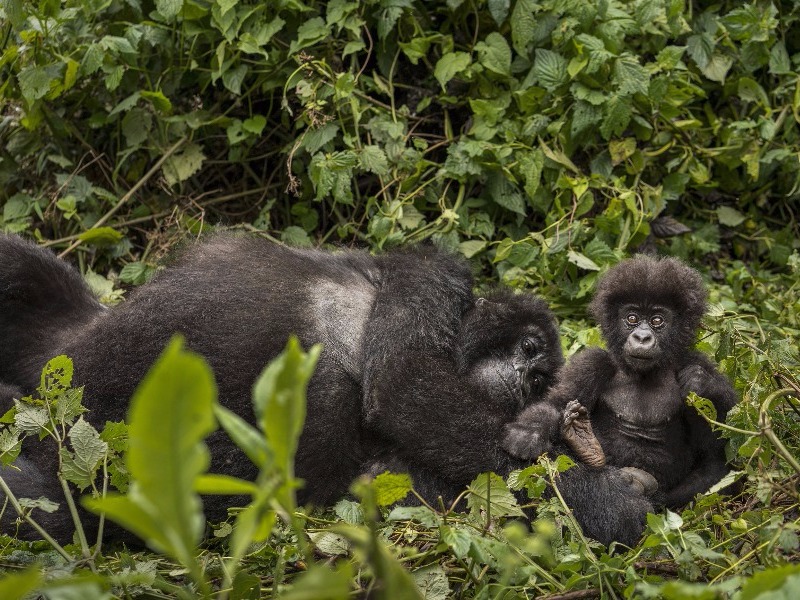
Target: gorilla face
646	331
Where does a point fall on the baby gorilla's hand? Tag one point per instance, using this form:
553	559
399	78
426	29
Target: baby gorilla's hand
576	430
640	481
693	378
525	442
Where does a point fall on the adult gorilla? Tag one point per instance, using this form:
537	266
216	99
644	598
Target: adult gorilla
414	367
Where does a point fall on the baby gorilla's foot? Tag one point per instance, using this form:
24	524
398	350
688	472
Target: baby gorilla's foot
576	429
641	481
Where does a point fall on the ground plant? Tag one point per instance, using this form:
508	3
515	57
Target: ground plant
544	140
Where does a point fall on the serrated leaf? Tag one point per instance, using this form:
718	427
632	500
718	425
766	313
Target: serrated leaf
550	69
450	65
530	167
432	583
701	48
80	466
314	139
373	159
35	82
391	487
492	488
31	419
499	10
617	116
183	164
349	512
420	514
630	77
776	583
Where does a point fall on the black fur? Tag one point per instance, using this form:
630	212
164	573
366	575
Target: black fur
407	366
649	310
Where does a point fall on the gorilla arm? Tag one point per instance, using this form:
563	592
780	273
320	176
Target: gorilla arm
537	427
702	377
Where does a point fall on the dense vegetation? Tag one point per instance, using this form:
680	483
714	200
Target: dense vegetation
545	140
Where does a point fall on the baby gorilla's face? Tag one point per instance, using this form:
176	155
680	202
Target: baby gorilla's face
646	329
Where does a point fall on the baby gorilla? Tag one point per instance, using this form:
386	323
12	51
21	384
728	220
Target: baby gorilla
632	395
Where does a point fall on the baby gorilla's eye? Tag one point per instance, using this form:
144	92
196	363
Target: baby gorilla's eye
632	319
657	321
528	347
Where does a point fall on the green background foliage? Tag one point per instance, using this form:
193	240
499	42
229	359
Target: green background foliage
544	140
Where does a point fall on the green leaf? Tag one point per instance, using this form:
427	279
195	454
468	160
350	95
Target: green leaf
170	415
309	33
729	216
718	67
329	543
523	24
494	53
490	494
349	512
373	159
254	125
183	164
582	261
432	582
80	466
618	115
279	396
701	48
315	139
101	236
450	65
16	586
550	69
232	79
245	436
169	8
391	487
224	484
459	540
322	583
629	76
35	82
159	101
499	10
470	248
420	514
777	583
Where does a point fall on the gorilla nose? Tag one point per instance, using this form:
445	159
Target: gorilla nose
644	339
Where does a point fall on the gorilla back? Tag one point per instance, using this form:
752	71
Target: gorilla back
236	300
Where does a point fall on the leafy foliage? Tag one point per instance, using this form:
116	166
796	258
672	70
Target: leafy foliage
543	139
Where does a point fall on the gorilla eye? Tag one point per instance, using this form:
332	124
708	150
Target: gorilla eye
657	321
632	319
528	347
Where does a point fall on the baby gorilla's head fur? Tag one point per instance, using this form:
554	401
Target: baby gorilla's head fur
664	288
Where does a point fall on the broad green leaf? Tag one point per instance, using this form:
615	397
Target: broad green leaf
323	583
494	53
629	76
729	216
777	583
550	69
523	24
718	67
373	159
36	82
330	543
450	65
499	10
420	514
183	164
158	100
279	396
432	582
470	248
617	116
171	413
169	8
391	487
459	540
315	139
349	512
16	586
309	33
490	494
